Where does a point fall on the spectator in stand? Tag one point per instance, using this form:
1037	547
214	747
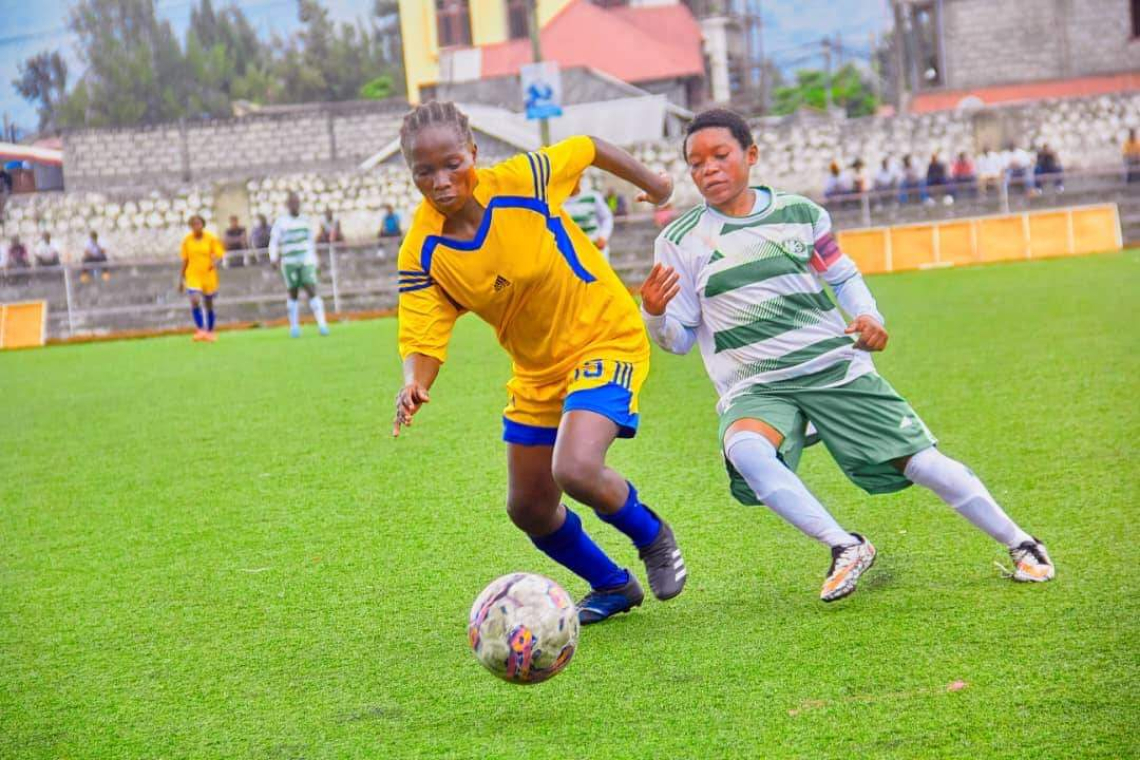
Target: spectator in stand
911	182
1048	171
963	177
390	226
837	183
1132	157
235	238
936	178
17	254
886	178
1017	167
989	170
260	235
94	254
859	182
47	255
330	229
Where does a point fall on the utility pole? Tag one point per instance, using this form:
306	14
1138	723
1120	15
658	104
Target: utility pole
536	54
898	48
826	42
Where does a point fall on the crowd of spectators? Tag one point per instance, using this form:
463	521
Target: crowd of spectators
907	181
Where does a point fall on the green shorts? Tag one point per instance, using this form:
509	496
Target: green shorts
865	424
299	275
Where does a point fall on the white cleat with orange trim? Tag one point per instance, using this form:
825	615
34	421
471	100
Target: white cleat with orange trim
1031	563
847	564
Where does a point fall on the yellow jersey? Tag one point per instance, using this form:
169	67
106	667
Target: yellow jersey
200	255
529	272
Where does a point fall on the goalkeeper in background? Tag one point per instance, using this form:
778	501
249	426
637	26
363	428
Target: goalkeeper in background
292	241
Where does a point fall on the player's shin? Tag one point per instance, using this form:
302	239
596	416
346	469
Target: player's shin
294	309
318	308
958	486
754	457
571	547
196	311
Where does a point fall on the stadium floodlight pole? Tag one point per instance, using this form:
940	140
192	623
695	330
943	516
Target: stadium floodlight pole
536	51
826	42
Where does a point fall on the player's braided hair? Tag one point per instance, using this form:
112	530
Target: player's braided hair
430	113
719	117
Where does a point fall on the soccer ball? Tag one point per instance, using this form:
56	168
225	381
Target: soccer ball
523	628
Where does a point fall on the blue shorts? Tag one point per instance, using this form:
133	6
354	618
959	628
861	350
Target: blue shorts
608	387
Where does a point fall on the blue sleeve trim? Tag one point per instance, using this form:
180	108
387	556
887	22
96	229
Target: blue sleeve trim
413	288
528	435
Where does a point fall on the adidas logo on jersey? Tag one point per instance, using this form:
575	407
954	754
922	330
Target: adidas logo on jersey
501	282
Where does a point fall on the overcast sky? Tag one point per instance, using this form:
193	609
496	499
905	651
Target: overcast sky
29	26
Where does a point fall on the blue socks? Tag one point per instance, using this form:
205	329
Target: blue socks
210	320
634	520
570	547
197	312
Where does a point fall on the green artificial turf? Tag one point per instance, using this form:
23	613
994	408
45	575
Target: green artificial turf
219	551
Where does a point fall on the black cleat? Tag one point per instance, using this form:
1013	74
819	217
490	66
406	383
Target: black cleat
664	565
603	603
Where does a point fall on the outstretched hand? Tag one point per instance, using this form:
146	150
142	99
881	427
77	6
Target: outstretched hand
872	335
408	401
659	194
659	288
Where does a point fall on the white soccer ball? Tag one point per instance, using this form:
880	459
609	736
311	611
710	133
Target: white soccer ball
523	628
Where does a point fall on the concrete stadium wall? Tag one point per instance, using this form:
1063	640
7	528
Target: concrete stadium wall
988	43
330	136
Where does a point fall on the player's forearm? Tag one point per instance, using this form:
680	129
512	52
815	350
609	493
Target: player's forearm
421	370
609	157
669	333
851	289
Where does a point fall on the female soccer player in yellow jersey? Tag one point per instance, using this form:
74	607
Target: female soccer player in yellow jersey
496	242
201	251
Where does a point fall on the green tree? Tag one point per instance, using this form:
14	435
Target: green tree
850	90
136	72
43	81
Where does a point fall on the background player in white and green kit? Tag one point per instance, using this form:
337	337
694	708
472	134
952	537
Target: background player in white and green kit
588	208
293	242
742	276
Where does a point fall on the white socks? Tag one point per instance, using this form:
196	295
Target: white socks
959	487
294	309
754	458
318	307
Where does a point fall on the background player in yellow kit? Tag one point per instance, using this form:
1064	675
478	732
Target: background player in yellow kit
201	252
497	242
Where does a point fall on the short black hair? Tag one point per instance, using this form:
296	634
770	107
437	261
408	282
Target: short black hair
431	113
719	117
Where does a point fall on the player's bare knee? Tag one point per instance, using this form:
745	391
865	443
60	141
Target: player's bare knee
577	475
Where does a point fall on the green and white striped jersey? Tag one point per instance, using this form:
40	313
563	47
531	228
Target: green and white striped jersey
293	240
758	306
589	211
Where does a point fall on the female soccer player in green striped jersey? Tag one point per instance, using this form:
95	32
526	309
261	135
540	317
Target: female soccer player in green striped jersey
742	276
